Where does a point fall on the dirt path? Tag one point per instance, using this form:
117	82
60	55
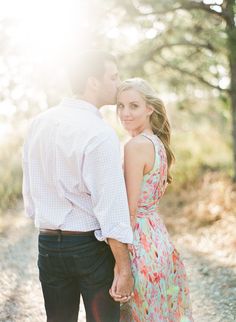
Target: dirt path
212	276
212	287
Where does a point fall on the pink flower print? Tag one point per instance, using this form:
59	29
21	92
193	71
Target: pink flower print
157	277
149	181
150	278
145	243
135	316
145	197
152	224
162	171
144	270
137	299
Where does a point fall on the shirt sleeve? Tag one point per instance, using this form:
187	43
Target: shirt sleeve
28	201
103	176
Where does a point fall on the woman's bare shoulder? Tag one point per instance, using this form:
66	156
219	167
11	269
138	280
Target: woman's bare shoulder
138	144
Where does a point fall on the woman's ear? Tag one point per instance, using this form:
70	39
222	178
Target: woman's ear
150	110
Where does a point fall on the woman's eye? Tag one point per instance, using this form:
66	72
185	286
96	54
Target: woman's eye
134	106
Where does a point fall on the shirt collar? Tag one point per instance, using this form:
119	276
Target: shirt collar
80	104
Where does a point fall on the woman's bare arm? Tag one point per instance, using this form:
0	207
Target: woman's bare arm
135	159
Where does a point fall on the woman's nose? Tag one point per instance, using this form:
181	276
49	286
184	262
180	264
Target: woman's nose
126	111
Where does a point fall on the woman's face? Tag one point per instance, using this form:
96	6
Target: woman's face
133	111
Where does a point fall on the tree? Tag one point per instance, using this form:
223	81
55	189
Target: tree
194	39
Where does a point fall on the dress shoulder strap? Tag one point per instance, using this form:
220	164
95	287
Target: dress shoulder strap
151	137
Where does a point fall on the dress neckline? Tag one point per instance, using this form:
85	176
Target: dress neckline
148	134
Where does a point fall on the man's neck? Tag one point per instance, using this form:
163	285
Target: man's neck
90	99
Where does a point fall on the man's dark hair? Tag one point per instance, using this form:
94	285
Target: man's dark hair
87	64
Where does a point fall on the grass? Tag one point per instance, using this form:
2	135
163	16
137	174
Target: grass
209	199
10	173
198	152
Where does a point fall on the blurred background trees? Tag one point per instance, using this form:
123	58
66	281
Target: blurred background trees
186	49
189	47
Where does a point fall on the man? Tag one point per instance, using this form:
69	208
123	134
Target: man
74	189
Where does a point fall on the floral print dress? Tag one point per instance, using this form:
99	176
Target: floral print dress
161	291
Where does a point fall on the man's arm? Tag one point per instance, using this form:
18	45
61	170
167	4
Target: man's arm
134	162
123	283
104	179
28	201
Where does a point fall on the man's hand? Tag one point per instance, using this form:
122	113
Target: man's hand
122	286
123	282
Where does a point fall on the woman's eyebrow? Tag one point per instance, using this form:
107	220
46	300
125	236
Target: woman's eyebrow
129	102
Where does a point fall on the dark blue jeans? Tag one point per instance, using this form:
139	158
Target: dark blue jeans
70	266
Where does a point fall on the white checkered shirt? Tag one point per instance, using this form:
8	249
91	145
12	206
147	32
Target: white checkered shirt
72	173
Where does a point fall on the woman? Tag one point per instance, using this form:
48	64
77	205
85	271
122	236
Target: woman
161	292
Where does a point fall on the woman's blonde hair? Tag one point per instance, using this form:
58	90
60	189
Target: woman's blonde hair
158	119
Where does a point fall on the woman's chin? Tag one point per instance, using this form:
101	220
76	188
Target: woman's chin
127	128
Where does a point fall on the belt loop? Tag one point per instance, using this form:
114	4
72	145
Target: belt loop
59	236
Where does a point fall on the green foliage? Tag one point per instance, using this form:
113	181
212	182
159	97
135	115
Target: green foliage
10	173
196	153
201	139
188	44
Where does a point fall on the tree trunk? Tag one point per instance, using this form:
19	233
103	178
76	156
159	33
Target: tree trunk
231	31
233	107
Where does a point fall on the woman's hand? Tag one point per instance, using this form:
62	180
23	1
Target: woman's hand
122	286
130	248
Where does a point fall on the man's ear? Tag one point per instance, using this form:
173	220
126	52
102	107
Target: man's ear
92	83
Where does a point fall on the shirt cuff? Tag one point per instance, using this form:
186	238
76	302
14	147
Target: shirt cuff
122	233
